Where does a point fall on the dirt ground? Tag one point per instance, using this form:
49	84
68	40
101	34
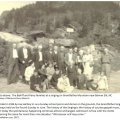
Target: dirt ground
114	86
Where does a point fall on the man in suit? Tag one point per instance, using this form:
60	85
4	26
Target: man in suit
49	55
80	60
72	74
70	57
75	52
13	69
61	59
55	55
39	57
25	58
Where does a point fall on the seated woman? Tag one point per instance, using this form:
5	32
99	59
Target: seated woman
63	84
55	77
43	78
102	82
33	80
81	79
49	72
29	72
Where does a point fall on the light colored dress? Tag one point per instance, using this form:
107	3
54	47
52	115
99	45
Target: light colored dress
88	60
29	72
102	83
64	85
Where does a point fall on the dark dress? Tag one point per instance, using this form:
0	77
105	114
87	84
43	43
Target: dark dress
54	80
34	80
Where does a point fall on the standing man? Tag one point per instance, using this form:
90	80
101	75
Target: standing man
55	55
72	74
25	58
49	55
61	59
75	52
70	57
39	58
13	69
80	60
106	63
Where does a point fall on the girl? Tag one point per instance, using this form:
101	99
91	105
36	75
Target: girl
102	82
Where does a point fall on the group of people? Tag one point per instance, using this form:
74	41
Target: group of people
57	67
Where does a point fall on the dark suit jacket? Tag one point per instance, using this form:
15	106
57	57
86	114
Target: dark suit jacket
55	57
37	57
49	57
61	57
21	55
67	58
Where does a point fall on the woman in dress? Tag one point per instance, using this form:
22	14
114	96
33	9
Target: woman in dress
29	72
63	84
88	63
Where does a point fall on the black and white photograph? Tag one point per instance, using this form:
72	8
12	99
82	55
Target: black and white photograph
60	47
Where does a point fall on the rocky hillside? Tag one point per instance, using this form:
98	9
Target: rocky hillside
93	22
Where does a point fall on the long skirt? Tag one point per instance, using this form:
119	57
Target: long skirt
88	70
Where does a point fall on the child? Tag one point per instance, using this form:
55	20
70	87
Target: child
102	82
29	72
64	84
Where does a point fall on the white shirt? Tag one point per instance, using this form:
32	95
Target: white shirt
70	58
55	52
63	82
25	53
40	56
15	54
29	72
